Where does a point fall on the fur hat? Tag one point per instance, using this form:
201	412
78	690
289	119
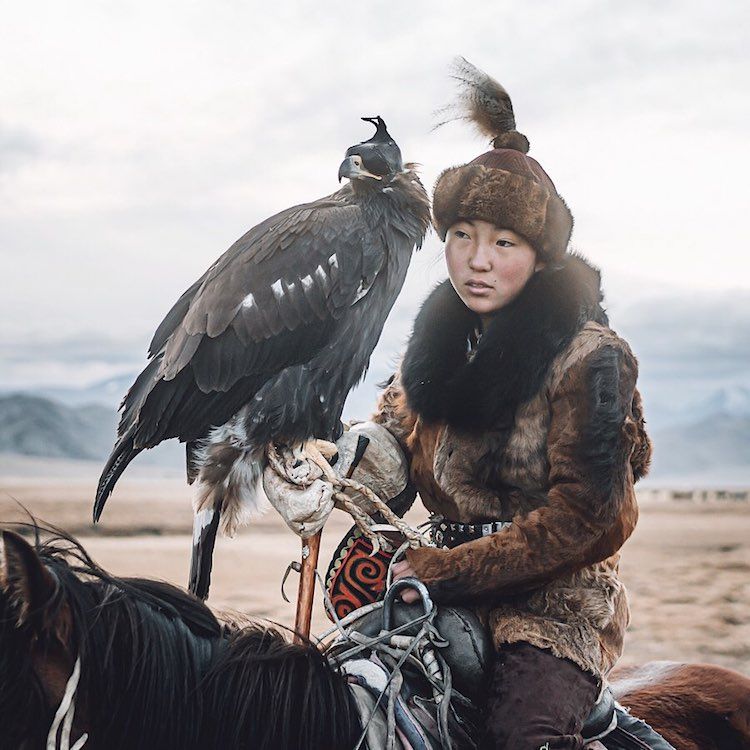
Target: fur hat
503	186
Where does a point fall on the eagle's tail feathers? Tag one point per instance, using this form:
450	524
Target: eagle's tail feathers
122	454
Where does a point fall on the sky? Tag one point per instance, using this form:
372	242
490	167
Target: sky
139	140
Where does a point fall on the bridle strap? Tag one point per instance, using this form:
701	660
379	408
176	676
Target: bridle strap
64	715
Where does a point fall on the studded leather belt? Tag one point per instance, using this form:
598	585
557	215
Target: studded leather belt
450	534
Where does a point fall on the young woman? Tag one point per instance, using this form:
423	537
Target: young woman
516	406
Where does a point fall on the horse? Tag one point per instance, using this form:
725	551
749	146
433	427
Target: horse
89	658
156	667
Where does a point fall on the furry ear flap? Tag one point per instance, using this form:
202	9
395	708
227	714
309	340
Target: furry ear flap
26	581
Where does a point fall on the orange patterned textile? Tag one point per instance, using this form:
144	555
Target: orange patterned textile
355	576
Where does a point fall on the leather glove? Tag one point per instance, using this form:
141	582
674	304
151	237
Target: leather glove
382	467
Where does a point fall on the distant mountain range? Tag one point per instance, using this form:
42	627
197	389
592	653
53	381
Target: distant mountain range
36	426
706	442
714	450
108	392
731	401
32	425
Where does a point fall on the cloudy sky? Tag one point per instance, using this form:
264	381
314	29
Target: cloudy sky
139	140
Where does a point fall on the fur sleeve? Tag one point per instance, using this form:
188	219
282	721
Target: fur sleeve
590	509
393	413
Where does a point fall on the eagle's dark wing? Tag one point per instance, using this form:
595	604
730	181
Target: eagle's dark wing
268	303
303	267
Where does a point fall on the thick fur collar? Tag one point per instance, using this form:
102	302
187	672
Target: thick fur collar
513	355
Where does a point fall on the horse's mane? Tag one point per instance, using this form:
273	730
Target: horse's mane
159	670
144	646
285	693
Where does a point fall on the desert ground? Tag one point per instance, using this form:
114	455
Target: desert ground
687	567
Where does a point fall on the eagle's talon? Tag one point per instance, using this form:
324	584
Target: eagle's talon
375	541
299	472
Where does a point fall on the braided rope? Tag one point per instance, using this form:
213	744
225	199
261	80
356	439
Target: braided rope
415	537
363	522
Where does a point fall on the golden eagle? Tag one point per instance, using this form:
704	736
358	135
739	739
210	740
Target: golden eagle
266	345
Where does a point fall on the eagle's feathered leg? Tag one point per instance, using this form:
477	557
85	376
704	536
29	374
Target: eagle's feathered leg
228	489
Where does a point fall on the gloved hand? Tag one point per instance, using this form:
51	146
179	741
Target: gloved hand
305	509
382	467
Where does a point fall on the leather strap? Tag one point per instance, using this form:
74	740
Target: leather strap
451	533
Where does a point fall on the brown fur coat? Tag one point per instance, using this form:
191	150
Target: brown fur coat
542	426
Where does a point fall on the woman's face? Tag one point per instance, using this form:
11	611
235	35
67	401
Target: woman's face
488	266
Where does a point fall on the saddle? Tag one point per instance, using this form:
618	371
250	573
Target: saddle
465	648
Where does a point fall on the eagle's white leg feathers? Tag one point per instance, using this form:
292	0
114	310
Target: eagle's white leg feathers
230	475
244	496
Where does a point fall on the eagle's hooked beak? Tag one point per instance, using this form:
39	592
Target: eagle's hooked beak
353	169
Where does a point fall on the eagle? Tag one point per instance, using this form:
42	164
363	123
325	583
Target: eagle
264	348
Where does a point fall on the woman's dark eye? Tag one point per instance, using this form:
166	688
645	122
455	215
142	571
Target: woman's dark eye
461	235
504	243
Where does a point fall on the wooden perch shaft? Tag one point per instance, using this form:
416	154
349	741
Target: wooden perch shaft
306	591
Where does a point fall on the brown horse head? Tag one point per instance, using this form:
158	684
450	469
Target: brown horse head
36	638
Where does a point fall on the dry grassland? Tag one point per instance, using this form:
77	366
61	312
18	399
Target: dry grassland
687	568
